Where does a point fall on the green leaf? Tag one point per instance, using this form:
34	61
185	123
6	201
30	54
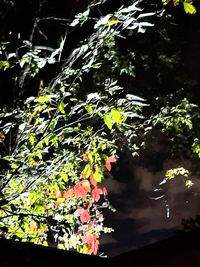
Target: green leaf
176	2
189	8
61	107
87	170
4	64
74	99
112	21
38	153
63	176
108	121
46	140
32	139
98	176
89	109
44	99
116	115
39	209
96	65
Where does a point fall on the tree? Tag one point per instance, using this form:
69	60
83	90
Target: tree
76	108
63	142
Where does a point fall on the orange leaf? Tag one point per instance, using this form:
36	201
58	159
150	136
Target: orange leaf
57	193
68	194
83	175
92	180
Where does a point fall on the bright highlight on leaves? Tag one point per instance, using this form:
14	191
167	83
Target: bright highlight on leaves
108	121
189	8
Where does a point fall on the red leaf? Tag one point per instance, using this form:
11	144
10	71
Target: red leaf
105	192
85	216
96	194
58	204
79	211
108	165
111	159
89	205
92	242
81	189
90	225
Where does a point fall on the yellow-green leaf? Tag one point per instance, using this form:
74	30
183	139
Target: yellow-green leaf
61	107
63	176
112	21
89	109
116	115
108	121
87	170
98	176
43	99
189	8
32	139
96	65
176	2
4	64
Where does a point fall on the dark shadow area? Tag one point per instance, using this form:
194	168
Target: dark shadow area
29	255
181	250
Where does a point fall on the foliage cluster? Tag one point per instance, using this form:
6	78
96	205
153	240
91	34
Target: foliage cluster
63	142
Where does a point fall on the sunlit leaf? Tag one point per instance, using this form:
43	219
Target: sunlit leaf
87	170
112	21
116	115
98	176
189	8
61	107
44	99
108	121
